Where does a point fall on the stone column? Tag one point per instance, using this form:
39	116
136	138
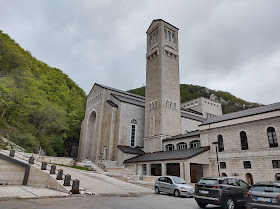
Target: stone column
112	134
187	172
148	169
44	165
12	153
76	187
182	171
163	169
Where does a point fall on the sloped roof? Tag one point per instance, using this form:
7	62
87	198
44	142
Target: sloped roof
191	111
169	155
135	101
243	113
119	91
157	20
180	136
112	103
130	150
193	117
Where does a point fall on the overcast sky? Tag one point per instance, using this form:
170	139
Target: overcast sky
229	45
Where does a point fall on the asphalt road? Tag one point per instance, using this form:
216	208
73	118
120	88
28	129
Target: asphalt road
153	201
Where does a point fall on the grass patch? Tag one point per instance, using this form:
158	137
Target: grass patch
77	167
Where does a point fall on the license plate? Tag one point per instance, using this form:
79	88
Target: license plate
262	199
203	192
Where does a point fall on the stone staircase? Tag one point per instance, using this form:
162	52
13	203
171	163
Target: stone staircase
119	172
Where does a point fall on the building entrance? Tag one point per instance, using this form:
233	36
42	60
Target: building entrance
156	169
196	172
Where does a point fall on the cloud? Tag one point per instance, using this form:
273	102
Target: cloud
226	45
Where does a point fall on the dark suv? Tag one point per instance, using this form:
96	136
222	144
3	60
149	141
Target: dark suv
264	195
229	192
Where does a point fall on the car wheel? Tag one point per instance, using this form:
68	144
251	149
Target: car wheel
229	204
202	205
157	190
177	193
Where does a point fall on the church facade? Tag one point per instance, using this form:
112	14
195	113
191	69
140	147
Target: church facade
157	135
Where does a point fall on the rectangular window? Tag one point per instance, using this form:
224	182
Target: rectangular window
172	38
144	169
132	140
276	163
169	36
165	32
247	164
151	39
156	35
223	165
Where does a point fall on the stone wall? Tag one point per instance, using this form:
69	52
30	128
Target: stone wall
10	173
189	125
258	153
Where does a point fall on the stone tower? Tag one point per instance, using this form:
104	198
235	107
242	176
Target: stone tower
162	108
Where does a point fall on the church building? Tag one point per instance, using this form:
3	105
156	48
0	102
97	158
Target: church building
157	135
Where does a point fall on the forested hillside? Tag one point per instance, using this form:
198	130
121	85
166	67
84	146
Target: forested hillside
230	103
40	107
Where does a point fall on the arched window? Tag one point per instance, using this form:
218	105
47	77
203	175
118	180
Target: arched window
272	139
277	177
175	105
133	131
220	143
171	104
249	178
181	145
195	144
244	141
167	103
169	147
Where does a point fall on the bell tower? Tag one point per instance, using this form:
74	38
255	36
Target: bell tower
162	108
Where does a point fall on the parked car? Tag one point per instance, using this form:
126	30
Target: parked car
173	185
229	192
264	195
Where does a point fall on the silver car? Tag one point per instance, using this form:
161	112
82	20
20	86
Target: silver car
173	185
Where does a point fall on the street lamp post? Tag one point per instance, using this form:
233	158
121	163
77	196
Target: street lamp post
218	163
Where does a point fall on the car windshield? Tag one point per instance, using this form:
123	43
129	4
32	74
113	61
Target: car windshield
266	188
178	180
208	181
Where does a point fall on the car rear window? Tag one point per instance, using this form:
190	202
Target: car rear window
266	188
208	181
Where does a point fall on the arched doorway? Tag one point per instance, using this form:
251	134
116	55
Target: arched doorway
249	178
223	174
277	177
91	136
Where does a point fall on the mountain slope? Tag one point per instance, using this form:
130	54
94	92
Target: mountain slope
40	106
230	103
